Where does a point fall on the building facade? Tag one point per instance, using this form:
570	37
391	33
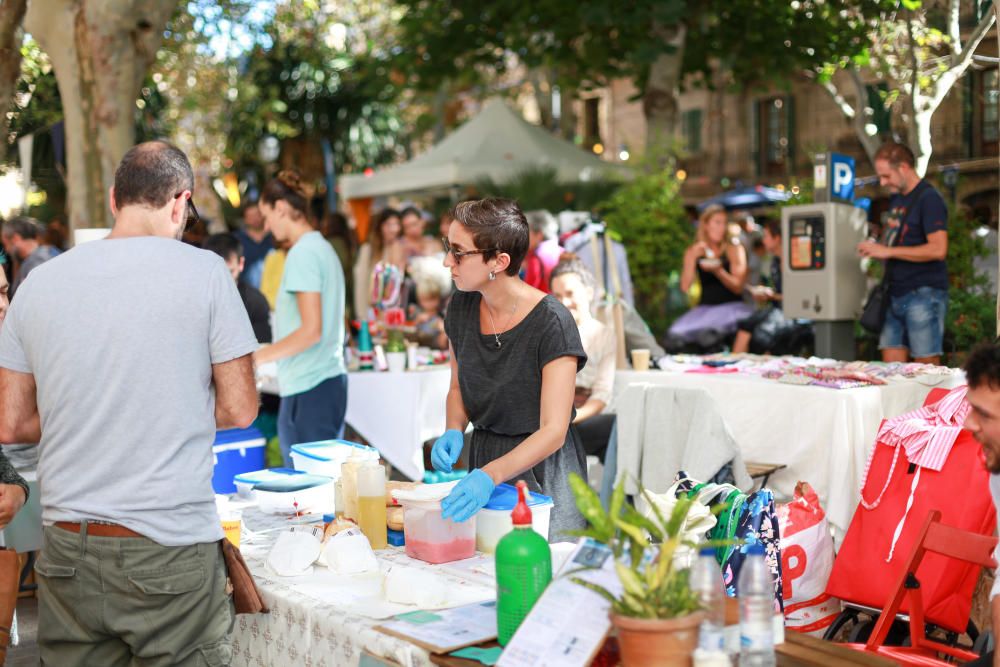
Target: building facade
769	137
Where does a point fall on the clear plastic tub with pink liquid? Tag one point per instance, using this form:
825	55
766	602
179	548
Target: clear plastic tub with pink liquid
433	539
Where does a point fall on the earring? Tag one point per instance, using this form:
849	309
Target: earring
493	276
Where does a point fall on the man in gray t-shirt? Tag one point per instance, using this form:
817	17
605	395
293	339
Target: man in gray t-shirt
121	358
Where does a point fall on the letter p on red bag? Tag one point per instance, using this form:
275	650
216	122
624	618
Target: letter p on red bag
806	563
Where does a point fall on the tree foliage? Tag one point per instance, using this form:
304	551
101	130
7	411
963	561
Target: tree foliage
648	215
319	74
919	51
592	42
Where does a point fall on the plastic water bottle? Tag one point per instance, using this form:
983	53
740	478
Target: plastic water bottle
706	582
756	592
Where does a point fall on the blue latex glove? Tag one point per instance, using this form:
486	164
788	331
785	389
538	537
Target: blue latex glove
468	497
446	450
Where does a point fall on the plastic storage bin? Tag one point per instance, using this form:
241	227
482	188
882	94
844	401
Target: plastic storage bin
236	451
433	539
326	456
493	521
286	491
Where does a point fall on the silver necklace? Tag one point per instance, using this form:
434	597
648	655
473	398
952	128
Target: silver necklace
509	318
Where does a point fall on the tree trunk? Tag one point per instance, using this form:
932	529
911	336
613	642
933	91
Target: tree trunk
919	140
100	51
11	15
567	113
541	90
659	102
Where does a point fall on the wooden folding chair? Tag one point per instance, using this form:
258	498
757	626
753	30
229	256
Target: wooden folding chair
944	540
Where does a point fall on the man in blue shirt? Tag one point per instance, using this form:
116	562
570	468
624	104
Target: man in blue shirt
915	248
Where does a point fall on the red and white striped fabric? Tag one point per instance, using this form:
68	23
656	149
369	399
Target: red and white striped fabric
927	434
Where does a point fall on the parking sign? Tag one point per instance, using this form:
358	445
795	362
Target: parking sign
841	177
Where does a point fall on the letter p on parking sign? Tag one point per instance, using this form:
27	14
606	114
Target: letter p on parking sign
842	177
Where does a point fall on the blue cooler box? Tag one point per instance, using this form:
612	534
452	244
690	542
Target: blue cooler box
236	451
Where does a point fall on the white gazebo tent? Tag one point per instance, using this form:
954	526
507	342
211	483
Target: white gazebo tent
495	144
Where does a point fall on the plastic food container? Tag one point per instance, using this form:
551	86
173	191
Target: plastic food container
326	456
493	521
285	491
429	537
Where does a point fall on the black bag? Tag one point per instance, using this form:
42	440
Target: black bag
873	315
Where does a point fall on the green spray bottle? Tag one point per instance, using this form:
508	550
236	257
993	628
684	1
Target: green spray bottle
524	569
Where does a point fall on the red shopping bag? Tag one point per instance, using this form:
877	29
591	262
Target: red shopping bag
960	491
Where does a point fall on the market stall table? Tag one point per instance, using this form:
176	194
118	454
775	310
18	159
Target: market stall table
306	624
823	435
395	412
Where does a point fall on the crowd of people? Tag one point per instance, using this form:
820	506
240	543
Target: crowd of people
170	335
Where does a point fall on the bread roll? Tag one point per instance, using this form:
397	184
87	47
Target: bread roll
394	518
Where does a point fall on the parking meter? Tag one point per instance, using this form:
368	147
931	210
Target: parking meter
821	273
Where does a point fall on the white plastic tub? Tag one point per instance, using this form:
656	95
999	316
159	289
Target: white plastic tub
493	521
326	456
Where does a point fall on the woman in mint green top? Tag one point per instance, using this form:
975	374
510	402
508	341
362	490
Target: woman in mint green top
309	321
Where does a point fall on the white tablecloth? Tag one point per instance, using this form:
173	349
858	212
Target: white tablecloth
398	412
395	412
823	435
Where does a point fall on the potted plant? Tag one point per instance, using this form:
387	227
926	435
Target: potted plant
395	350
657	614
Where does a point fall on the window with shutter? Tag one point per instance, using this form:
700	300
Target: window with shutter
691	126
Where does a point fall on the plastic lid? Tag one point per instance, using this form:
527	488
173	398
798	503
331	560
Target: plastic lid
321	450
505	498
425	493
292	483
266	475
521	516
232	435
755	549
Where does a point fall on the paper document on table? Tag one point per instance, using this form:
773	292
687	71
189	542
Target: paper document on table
568	624
447	630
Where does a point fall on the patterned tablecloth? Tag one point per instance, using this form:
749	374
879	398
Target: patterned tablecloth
305	629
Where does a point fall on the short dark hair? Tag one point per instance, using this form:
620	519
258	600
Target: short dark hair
287	186
410	210
571	264
497	225
773	226
25	227
151	174
983	366
225	245
896	154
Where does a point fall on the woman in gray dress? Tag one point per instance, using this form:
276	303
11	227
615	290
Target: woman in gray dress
515	355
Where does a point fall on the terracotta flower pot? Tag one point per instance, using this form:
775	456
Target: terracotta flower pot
646	642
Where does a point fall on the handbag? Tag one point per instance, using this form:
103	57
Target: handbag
246	596
862	572
876	306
